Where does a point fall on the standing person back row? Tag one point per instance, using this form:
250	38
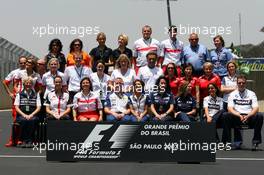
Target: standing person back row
170	50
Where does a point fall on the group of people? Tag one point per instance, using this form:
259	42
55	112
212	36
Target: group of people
155	81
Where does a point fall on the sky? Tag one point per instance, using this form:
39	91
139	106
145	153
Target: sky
31	24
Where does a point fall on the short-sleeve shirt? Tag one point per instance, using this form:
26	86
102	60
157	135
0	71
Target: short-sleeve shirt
57	104
116	53
149	76
196	56
220	58
231	82
128	77
243	102
139	104
185	104
101	54
204	81
161	102
17	100
74	75
48	81
142	47
117	103
213	104
22	74
11	78
86	103
172	51
100	85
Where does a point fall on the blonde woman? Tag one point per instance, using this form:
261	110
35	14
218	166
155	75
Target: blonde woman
122	48
124	71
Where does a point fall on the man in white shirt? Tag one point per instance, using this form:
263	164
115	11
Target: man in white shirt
10	78
172	50
242	109
144	45
74	74
150	73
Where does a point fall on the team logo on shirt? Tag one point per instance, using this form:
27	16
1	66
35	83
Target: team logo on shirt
243	102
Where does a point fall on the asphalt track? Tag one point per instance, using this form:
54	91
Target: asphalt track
26	161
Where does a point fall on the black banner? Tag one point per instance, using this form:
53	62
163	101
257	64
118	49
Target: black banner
151	142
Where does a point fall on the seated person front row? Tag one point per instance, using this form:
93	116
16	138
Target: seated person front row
133	106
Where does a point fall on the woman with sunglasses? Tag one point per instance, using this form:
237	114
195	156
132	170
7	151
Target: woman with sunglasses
173	77
55	51
30	71
76	47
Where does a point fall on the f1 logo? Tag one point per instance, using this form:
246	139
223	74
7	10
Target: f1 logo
119	138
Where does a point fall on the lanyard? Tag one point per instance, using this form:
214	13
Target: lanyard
219	54
54	76
101	80
138	102
174	43
79	73
59	104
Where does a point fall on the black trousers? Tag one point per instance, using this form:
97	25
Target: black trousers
28	128
230	120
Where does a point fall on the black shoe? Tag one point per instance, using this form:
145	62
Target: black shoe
23	145
237	146
29	145
254	147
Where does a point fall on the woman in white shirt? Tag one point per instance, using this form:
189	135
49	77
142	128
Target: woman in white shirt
229	82
57	102
48	77
213	106
124	71
100	81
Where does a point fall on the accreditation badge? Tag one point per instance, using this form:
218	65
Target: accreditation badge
27	108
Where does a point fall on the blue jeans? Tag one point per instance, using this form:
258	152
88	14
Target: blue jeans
144	118
125	118
184	117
